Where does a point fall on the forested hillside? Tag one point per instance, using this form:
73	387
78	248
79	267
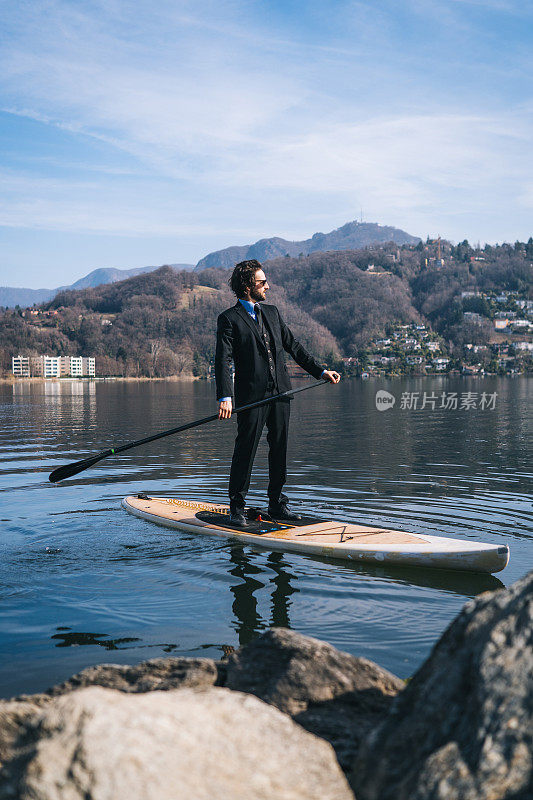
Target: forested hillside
158	324
338	304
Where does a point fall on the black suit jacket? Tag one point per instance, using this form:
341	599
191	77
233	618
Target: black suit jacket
239	340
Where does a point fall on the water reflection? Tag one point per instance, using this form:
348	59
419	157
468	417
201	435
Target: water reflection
248	623
55	390
70	638
253	579
282	591
462	584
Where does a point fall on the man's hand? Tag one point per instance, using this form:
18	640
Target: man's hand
224	409
331	376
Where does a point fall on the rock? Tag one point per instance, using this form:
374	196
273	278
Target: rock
13	716
148	676
156	674
100	744
330	693
463	728
292	671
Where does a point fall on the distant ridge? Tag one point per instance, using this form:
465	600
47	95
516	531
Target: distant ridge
11	297
352	236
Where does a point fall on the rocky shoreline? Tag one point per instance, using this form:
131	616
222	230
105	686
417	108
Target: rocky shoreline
291	718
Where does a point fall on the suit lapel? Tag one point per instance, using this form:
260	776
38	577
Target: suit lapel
249	321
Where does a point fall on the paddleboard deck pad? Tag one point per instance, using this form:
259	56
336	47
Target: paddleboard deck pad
258	521
322	537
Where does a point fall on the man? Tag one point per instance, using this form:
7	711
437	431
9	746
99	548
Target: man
253	336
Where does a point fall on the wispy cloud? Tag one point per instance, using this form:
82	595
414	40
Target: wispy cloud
237	111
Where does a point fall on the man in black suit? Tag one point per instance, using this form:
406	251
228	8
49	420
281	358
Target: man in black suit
253	336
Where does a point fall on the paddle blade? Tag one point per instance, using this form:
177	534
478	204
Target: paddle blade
68	470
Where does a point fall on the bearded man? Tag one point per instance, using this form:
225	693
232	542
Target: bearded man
253	336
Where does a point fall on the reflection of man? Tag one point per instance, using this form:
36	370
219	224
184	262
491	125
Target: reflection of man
253	336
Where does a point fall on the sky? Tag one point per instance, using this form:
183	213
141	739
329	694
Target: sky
142	133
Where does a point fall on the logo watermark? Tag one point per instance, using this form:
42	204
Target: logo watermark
384	400
447	401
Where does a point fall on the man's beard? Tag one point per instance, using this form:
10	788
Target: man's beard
255	295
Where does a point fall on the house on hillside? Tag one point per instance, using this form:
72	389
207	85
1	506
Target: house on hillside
471	316
505	315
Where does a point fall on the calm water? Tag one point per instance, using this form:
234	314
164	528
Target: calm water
82	582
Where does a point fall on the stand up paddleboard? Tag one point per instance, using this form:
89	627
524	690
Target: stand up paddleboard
322	537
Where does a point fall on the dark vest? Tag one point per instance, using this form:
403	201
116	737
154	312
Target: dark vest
266	335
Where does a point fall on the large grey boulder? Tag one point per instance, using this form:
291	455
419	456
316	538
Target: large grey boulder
463	728
330	693
99	744
157	674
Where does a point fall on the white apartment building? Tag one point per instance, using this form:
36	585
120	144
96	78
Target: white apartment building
72	365
20	366
89	366
53	366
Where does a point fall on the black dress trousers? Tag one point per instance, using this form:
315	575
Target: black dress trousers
250	426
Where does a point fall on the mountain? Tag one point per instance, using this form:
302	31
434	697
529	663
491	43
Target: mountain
11	297
352	236
111	275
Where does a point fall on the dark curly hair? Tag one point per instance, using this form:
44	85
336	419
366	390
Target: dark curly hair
243	276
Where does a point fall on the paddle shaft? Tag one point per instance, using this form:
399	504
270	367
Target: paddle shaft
211	418
68	470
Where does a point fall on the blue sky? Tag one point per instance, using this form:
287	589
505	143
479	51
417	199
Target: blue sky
136	133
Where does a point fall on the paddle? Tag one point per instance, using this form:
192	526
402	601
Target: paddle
69	470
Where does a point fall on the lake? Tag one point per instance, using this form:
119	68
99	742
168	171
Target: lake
82	582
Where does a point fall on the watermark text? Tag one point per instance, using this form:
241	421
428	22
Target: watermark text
433	401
